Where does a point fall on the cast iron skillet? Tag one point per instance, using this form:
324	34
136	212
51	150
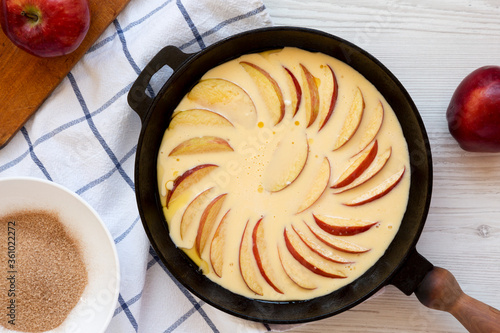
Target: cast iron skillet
401	265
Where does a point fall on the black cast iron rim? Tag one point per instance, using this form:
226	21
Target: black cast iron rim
156	121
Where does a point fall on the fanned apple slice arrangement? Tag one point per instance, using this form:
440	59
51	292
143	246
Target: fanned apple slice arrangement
311	243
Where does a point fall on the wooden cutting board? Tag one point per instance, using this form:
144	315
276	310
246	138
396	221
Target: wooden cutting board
26	81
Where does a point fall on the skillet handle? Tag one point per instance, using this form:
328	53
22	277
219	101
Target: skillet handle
438	289
137	97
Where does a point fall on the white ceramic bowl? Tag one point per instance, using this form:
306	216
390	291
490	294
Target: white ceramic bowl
98	302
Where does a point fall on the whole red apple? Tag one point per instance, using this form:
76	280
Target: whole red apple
474	111
45	28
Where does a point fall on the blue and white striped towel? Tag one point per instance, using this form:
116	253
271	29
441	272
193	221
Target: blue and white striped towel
84	137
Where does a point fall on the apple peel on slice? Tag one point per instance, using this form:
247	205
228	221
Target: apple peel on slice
311	96
198	117
352	120
217	246
207	222
335	242
341	226
286	164
308	258
371	172
318	187
248	269
375	121
191	213
379	191
331	86
187	179
260	252
226	98
295	91
295	271
269	90
320	249
201	145
356	168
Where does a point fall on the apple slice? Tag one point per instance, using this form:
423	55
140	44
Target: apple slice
379	191
341	226
225	98
375	121
335	242
269	90
356	168
295	91
207	222
320	248
352	120
198	117
201	145
318	187
260	252
373	170
330	91
269	53
311	96
187	179
247	262
217	246
287	162
191	214
295	271
308	258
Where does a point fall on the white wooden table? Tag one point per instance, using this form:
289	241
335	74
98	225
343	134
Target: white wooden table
430	46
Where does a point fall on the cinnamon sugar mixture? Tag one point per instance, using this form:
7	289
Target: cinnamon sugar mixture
42	271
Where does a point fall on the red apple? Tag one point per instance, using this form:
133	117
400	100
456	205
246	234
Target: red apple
474	111
45	28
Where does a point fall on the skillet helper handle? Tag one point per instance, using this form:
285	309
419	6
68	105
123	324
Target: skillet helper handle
137	98
440	290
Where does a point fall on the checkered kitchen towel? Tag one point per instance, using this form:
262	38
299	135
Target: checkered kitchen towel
84	137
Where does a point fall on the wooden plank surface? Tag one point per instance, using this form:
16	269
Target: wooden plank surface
26	81
430	46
